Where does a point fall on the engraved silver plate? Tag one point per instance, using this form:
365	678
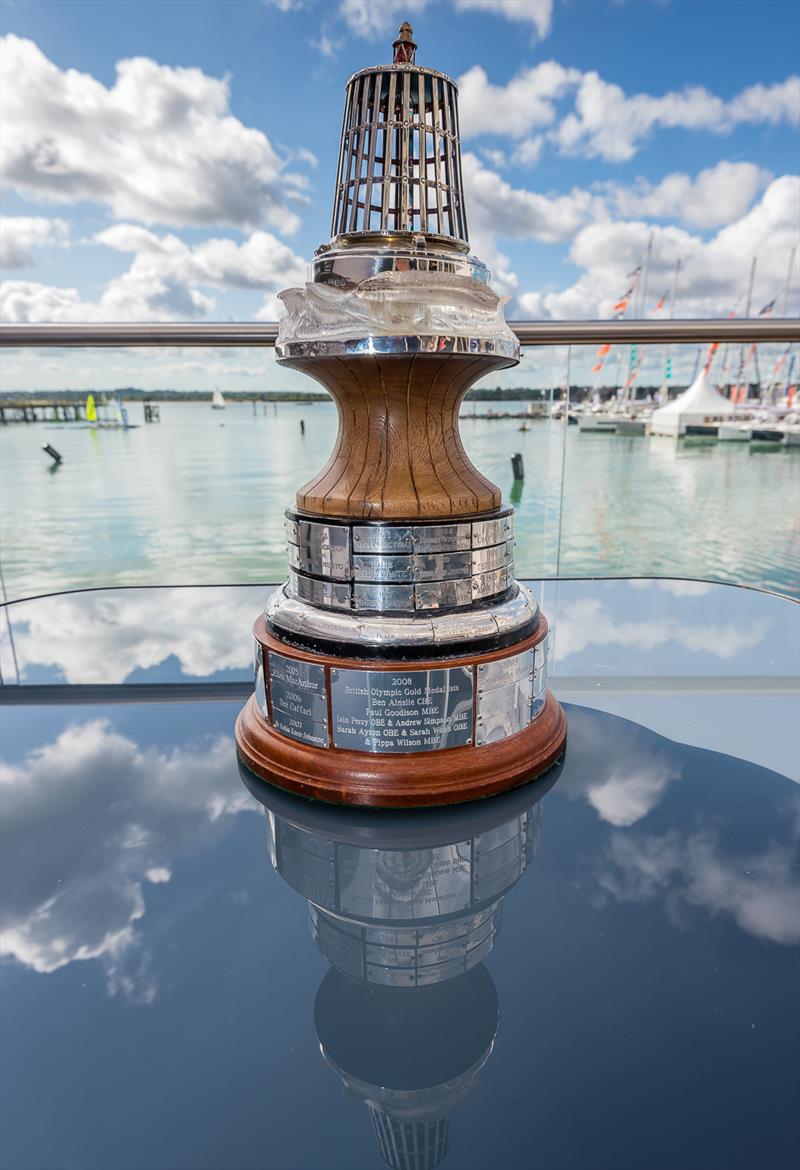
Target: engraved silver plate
258	671
501	672
486	532
289	700
501	725
324	548
442	538
441	566
299	699
383	597
323	593
307	677
443	594
496	702
487	584
389	539
392	569
401	711
493	557
300	728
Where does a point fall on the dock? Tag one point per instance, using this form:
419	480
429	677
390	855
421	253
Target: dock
540	411
32	410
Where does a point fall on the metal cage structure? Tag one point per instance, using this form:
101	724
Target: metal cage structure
400	156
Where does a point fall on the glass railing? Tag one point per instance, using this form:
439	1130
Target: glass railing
198	496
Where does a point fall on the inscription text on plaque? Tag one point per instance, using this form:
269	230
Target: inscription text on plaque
401	711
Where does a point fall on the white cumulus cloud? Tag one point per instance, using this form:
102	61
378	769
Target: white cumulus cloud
165	280
523	104
370	18
161	145
589	623
604	121
757	890
79	895
718	195
713	271
20	234
539	13
609	124
104	637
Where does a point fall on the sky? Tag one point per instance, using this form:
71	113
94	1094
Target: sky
175	161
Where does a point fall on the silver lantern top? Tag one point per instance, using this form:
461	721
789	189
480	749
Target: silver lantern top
399	169
397	275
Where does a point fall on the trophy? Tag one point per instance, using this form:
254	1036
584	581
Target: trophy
401	631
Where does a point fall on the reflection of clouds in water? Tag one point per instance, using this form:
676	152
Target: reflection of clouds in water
623	798
622	770
587	623
676	586
757	890
86	820
103	637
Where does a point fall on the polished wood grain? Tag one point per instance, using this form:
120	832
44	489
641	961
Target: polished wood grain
398	453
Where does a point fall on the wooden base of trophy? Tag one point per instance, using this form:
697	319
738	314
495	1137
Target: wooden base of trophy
398	779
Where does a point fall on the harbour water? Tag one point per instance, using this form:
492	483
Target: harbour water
199	498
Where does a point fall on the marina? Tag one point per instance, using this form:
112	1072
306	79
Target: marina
181	500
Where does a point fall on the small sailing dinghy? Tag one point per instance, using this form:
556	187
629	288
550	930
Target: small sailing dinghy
120	420
217	401
118	423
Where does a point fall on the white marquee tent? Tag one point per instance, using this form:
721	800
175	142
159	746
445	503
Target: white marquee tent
698	405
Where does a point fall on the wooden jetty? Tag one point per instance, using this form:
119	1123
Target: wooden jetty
31	410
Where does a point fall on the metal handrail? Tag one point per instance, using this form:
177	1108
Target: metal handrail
677	332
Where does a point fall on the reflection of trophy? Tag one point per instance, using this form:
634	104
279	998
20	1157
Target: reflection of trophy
405	908
412	1059
401	628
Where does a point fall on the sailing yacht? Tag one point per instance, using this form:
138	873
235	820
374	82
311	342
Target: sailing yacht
217	401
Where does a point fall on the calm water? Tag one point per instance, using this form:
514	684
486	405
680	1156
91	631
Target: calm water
199	498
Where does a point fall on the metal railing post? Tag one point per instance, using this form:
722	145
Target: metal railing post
231	334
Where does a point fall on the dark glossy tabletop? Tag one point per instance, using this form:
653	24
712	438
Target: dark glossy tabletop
598	970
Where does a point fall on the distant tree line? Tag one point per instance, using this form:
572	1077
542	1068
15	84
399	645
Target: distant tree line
477	394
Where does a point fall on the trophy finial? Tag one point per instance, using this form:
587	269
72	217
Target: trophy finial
404	47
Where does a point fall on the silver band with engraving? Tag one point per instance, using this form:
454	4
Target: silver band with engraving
329	548
509	617
399	568
402	710
382	597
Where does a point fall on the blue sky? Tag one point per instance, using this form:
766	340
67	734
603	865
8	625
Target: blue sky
195	181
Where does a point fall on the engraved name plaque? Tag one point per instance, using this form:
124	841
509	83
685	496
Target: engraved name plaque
401	711
258	671
299	699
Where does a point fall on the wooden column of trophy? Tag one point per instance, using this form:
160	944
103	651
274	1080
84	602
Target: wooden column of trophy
401	664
